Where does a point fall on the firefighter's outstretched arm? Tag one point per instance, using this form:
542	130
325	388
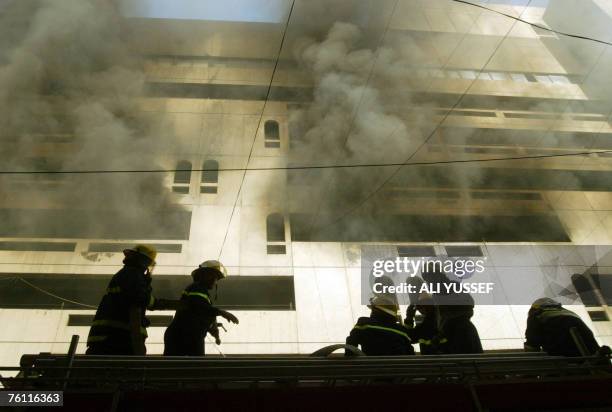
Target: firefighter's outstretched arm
353	339
214	331
228	316
137	338
410	314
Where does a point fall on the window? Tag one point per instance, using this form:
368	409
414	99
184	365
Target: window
182	177
557	79
120	247
586	290
498	76
416	251
210	177
530	78
519	77
272	134
275	228
598	316
38	246
459	251
275	234
542	78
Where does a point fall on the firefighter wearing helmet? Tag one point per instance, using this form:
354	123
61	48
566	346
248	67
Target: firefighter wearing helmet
120	326
381	334
426	332
549	327
196	316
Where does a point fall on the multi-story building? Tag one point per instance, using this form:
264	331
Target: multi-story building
473	85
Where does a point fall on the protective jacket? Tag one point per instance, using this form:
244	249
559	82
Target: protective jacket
380	335
427	334
195	317
458	330
548	328
110	330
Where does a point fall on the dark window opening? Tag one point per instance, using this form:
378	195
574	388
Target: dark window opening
426	229
604	284
38	246
598	316
120	247
183	190
277	249
259	293
459	251
272	134
210	177
275	234
416	251
76	224
156	321
507	195
183	172
275	228
272	144
182	177
210	190
586	290
271	130
210	172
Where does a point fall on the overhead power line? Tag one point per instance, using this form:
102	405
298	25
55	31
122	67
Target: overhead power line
575	36
263	111
310	167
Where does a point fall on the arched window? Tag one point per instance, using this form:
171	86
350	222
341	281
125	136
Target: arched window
272	134
182	177
275	234
210	177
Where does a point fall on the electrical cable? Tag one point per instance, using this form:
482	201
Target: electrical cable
576	36
246	169
428	138
82	304
315	167
399	165
55	296
263	110
356	110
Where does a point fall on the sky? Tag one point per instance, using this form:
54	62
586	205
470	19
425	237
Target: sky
258	11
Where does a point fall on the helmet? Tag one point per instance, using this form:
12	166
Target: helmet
545	302
144	250
216	265
385	304
425	299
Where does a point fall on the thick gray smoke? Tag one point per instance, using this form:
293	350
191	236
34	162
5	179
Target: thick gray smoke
371	104
69	89
365	97
360	114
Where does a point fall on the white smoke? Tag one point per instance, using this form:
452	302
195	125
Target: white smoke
69	89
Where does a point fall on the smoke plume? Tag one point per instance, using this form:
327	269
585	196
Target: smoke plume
69	89
359	114
372	104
